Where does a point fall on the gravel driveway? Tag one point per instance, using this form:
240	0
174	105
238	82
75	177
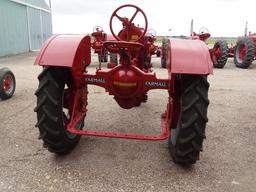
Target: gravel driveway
228	162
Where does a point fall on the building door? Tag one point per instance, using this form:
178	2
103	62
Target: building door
35	28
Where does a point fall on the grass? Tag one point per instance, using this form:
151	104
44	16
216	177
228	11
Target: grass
229	40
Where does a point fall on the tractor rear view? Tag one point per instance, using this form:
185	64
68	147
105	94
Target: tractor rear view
62	92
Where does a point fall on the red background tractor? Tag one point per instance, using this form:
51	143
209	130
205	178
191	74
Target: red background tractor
62	91
219	52
99	37
245	49
244	52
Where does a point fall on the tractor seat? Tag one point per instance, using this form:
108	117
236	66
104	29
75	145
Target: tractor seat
117	46
204	36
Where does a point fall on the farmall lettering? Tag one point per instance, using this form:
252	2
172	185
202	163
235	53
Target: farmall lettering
95	80
156	84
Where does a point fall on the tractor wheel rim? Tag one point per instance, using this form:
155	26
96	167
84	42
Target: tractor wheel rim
8	84
242	52
217	53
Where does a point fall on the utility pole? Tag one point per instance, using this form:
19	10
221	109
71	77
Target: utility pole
245	30
191	27
50	4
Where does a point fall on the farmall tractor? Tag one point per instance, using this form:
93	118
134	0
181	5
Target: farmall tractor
62	91
99	36
245	50
7	83
219	52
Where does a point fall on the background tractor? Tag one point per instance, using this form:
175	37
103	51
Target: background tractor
7	83
62	92
99	36
245	50
219	52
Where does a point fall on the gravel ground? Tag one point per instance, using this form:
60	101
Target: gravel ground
228	162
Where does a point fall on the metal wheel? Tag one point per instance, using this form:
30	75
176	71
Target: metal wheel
7	83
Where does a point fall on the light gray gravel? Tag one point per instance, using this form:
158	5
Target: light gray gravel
228	162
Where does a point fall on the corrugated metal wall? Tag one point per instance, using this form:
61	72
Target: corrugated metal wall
47	25
13	28
22	28
35	28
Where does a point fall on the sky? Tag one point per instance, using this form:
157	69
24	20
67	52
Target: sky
223	18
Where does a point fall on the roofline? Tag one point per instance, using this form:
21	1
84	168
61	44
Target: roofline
30	5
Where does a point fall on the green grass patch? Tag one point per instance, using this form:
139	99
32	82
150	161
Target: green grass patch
229	40
210	41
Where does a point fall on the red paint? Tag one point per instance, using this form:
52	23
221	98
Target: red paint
7	83
66	51
125	82
164	135
131	79
189	57
130	31
242	52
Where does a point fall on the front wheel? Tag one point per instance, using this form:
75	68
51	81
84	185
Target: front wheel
186	138
7	83
55	96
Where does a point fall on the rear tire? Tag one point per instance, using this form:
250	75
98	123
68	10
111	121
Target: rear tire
51	119
186	139
221	60
249	46
7	83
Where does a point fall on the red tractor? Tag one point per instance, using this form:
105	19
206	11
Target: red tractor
7	83
245	50
152	48
219	53
99	36
62	92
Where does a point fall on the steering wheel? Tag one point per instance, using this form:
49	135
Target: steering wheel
97	28
203	30
151	32
128	22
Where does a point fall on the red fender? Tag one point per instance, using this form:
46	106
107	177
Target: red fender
65	51
189	57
